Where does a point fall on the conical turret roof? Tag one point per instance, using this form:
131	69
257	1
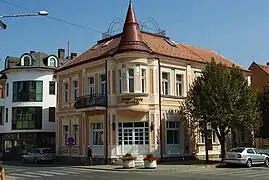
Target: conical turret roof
131	38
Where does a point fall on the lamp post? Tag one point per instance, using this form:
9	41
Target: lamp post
4	26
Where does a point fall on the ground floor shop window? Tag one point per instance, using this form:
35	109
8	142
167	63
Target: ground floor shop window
97	134
136	133
75	134
65	134
26	118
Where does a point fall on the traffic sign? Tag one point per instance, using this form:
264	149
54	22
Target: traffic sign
70	141
3	25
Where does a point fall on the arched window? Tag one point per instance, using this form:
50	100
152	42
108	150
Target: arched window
26	60
7	63
52	61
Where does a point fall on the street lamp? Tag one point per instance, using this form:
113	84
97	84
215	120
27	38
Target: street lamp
4	26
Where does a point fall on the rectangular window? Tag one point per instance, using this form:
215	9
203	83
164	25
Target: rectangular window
179	84
2	115
211	134
52	114
173	132
97	134
143	80
65	135
65	93
26	118
102	85
6	114
120	80
75	90
75	134
27	91
131	80
91	90
165	83
7	89
52	87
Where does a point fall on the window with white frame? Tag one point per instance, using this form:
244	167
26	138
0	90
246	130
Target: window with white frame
75	90
75	134
97	134
102	85
143	80
65	93
179	85
91	90
131	80
65	134
120	80
211	134
165	83
173	132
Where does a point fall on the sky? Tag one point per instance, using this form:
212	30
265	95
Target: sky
238	29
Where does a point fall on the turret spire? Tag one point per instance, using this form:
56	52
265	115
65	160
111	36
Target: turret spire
131	38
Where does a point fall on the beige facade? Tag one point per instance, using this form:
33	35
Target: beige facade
132	98
124	92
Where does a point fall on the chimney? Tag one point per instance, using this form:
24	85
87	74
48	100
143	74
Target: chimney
32	52
61	53
267	63
73	55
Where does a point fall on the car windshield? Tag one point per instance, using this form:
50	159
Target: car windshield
238	150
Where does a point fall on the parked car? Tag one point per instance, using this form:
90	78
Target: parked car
265	149
37	155
246	156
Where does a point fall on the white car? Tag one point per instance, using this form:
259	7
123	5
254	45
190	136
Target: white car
246	156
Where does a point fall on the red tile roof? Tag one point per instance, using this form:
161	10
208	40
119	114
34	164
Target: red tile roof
132	39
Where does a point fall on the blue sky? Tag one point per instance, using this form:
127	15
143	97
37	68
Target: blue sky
238	29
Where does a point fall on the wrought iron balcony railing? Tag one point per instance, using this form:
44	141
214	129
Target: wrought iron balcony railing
93	100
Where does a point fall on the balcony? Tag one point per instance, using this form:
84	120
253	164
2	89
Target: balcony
94	100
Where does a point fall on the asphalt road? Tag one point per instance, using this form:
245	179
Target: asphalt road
200	173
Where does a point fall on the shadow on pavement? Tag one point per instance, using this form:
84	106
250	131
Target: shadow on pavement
190	162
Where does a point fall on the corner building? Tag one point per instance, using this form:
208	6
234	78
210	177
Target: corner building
134	81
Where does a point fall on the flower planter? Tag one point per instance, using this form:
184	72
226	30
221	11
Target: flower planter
150	164
127	164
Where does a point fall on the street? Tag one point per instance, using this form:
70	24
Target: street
68	172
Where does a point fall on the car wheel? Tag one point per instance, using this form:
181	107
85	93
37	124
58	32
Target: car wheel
266	162
249	163
35	161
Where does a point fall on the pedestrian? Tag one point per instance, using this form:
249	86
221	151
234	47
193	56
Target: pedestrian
2	171
89	156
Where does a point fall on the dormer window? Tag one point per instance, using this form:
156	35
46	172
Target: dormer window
52	61
26	60
7	63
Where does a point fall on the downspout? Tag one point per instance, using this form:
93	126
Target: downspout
160	110
106	118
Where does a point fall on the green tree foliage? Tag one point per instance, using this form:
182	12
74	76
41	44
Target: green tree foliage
263	98
222	99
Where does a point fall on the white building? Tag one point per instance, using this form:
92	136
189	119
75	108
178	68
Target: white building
30	100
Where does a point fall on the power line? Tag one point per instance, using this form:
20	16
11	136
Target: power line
51	17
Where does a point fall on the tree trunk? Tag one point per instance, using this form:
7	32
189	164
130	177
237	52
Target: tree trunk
222	146
206	144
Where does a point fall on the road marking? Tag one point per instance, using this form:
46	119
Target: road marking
25	175
39	174
12	177
54	173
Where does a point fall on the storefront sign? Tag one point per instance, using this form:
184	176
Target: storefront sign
132	101
27	136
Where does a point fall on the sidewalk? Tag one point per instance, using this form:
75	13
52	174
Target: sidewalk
160	167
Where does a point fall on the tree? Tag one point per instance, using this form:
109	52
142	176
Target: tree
222	99
263	98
